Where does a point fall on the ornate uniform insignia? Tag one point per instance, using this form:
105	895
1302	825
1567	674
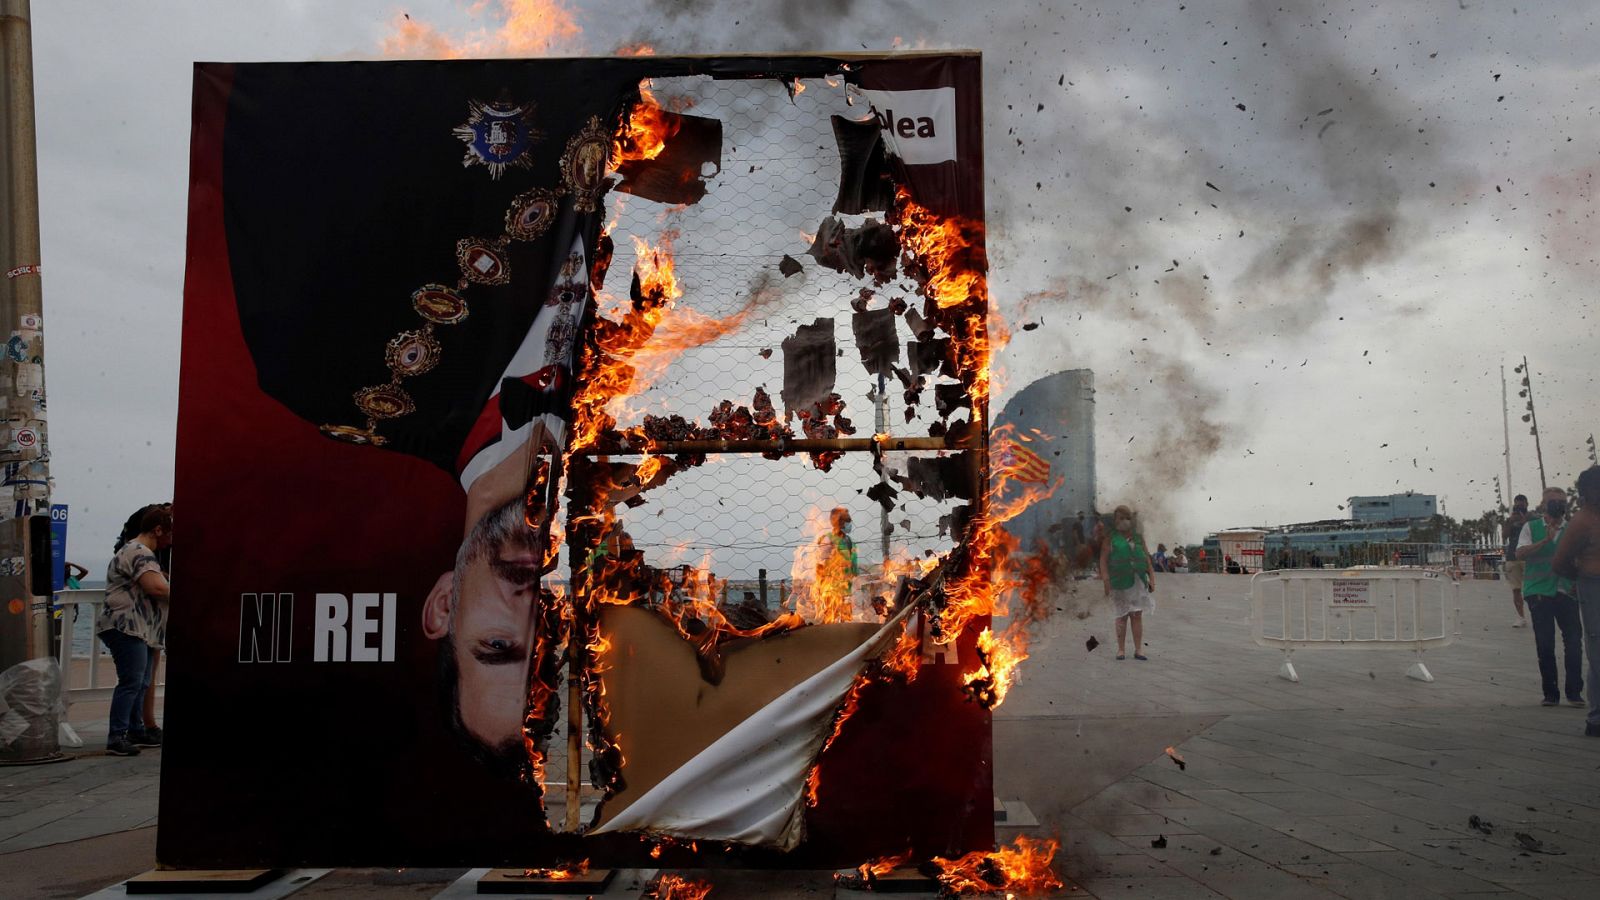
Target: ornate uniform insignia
438	304
583	165
558	343
498	135
571	267
530	214
565	295
350	434
411	353
483	262
384	401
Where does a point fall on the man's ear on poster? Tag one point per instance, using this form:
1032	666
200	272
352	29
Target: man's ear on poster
436	608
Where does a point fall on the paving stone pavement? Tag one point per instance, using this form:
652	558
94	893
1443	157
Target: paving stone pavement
1356	782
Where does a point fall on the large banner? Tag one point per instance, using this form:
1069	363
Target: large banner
410	493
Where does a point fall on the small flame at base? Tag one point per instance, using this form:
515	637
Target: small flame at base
675	887
1023	867
559	873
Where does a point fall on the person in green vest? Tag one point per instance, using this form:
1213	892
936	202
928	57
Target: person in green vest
1550	599
1128	578
837	568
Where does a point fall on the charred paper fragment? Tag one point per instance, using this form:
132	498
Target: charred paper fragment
921	327
960	432
809	366
865	181
947	398
872	249
960	520
913	389
789	266
926	356
884	494
876	340
678	174
939	477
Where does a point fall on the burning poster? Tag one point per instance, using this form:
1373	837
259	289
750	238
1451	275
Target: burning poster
508	553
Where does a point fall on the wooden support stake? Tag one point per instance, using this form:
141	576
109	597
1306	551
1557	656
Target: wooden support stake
574	747
798	445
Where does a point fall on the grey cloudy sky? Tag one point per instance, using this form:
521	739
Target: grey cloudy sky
1390	222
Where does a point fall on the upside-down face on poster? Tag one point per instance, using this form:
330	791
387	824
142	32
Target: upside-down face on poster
487	494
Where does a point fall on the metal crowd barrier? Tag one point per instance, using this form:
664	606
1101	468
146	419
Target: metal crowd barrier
76	606
1371	608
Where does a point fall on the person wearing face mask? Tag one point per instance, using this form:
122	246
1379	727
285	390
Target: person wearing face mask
837	564
1512	532
1128	578
1550	599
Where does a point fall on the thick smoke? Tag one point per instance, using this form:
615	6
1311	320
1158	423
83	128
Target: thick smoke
1155	233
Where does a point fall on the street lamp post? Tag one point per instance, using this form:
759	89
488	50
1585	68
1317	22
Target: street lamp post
1531	416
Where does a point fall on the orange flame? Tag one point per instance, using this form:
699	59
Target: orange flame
883	865
986	585
656	267
607	374
676	887
852	701
560	873
905	658
947	252
997	668
1023	867
526	28
646	133
823	573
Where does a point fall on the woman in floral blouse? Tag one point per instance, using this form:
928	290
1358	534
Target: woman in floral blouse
133	619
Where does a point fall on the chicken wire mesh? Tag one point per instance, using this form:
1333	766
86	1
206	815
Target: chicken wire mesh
739	516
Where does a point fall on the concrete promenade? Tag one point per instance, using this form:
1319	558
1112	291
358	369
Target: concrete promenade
1357	782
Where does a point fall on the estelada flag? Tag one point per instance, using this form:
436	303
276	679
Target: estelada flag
1021	463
